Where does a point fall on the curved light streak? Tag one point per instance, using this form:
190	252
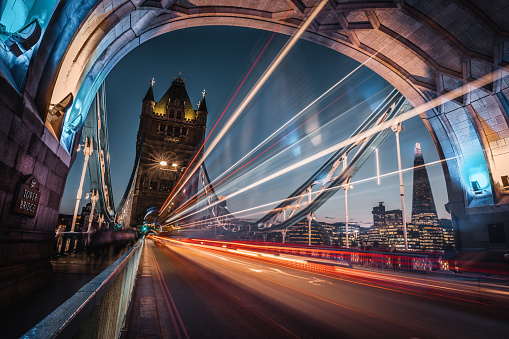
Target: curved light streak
261	81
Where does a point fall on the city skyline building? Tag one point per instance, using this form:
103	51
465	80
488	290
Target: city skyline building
424	211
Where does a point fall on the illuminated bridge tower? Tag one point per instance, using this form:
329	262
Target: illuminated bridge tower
173	130
424	213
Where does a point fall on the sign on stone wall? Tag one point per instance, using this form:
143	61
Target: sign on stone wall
27	196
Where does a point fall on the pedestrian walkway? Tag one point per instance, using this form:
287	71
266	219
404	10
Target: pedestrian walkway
149	314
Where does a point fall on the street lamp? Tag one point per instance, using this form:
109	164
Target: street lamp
397	129
163	163
94	198
88	150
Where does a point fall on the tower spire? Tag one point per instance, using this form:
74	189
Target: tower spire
150	93
203	104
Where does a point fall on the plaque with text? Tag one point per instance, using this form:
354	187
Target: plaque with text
27	197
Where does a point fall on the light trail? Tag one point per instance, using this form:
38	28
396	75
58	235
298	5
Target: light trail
198	223
261	81
275	132
293	118
378	128
224	111
393	280
198	195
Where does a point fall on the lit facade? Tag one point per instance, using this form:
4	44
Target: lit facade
172	131
298	234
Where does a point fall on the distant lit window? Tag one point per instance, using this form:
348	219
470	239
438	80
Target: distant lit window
153	185
165	185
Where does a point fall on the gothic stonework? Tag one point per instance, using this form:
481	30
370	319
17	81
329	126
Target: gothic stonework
173	131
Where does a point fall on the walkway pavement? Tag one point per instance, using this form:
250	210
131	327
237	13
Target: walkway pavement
70	273
147	316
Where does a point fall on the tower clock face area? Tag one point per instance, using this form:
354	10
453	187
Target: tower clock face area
172	130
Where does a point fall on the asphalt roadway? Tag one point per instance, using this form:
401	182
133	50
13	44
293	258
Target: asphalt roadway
205	293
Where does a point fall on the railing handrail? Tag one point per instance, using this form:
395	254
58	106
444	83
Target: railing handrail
69	316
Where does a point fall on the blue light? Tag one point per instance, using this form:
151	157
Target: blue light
481	178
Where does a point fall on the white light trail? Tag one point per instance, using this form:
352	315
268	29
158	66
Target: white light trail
292	119
261	81
377	168
193	224
254	170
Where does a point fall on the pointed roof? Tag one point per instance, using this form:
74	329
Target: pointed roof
176	90
150	93
203	104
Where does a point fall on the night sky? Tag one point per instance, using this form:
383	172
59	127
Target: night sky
217	59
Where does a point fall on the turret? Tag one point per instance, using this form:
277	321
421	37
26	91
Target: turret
202	111
148	100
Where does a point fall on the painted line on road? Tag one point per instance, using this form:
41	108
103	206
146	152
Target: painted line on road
161	280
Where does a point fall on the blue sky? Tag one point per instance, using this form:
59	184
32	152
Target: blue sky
217	59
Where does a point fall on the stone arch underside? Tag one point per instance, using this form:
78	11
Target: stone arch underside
423	48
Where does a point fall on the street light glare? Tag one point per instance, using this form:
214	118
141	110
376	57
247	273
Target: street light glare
163	163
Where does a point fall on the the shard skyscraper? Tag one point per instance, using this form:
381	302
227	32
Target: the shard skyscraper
424	213
423	206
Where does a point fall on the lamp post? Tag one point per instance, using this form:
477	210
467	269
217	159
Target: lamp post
87	150
310	219
345	164
398	128
94	198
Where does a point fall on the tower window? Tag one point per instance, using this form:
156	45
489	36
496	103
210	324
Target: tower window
179	115
172	114
165	185
505	181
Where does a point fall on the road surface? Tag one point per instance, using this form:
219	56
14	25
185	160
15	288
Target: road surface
208	293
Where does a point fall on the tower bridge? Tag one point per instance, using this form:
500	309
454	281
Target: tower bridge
450	57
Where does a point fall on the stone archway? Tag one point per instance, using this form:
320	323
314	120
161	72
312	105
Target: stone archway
423	48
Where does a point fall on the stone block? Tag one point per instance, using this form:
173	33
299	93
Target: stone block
37	148
20	133
52	181
8	151
61	169
41	173
5	121
9	177
32	119
54	200
25	163
43	200
50	160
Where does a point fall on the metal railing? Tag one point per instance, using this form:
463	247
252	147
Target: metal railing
70	242
98	309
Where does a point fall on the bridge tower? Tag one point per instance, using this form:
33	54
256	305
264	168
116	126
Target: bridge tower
173	131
